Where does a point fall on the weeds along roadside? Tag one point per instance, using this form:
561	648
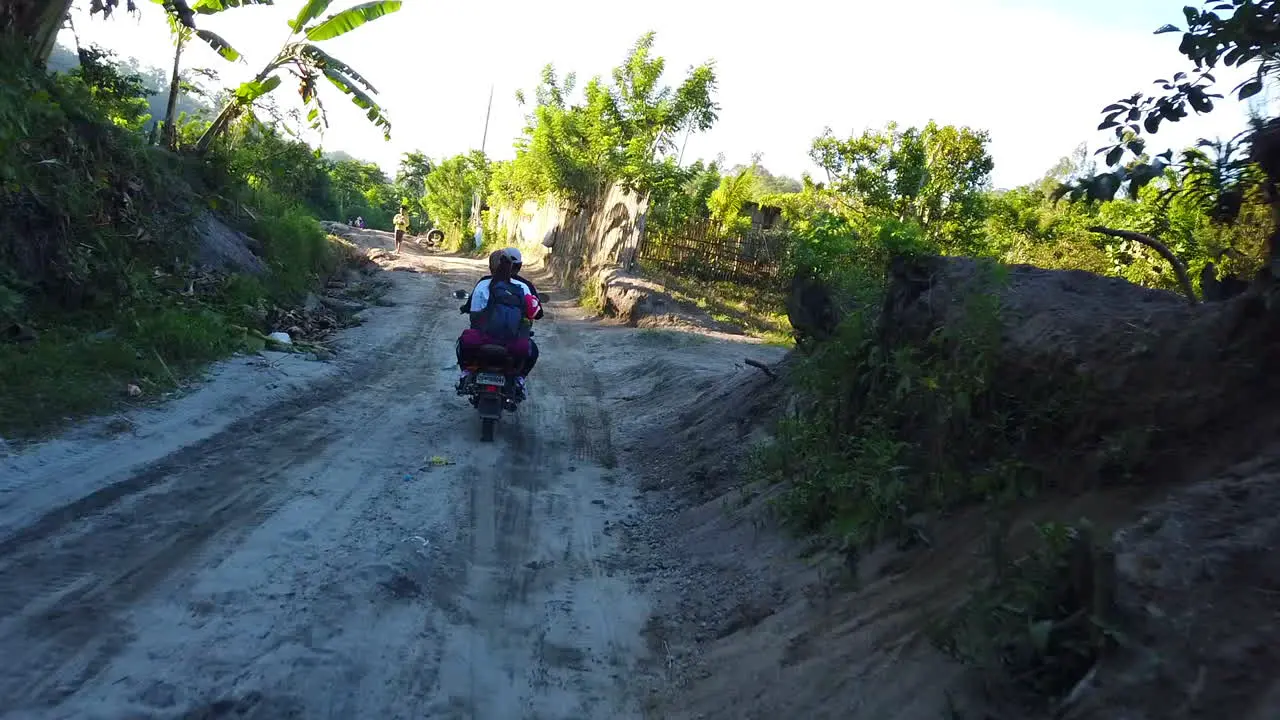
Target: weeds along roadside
96	288
895	426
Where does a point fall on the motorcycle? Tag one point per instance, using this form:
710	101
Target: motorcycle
490	385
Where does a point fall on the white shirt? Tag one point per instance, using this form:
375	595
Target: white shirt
480	295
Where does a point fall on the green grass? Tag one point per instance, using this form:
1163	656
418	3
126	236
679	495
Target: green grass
94	242
591	296
73	372
82	365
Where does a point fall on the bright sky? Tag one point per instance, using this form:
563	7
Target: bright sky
1034	73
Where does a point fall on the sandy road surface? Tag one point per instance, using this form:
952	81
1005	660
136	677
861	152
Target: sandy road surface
304	560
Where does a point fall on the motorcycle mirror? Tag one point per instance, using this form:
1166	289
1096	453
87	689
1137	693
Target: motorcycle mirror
460	294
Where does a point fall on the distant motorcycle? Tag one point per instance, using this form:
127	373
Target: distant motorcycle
491	383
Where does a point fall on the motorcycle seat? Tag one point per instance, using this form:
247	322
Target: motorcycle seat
492	352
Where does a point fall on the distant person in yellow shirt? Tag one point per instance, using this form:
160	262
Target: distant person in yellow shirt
401	221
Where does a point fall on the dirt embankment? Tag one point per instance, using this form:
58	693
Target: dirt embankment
1168	449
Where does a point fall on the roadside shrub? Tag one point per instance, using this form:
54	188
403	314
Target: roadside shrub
96	289
1043	620
296	248
185	337
83	201
895	430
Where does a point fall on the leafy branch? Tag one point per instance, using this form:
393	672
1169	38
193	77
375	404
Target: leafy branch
308	64
1248	35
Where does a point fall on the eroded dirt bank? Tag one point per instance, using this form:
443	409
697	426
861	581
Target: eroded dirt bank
279	543
753	623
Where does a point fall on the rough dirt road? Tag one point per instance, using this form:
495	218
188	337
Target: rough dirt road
279	546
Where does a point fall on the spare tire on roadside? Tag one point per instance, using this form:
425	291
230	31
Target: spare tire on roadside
435	236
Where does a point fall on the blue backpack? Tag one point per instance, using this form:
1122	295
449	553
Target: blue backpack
504	315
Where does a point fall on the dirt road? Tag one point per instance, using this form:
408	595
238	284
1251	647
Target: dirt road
278	543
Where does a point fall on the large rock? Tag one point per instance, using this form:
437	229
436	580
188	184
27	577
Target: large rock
812	309
224	248
643	303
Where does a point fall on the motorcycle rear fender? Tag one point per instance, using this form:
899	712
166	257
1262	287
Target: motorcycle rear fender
490	405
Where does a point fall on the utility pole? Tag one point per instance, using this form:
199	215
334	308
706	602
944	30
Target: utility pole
477	198
683	145
485	138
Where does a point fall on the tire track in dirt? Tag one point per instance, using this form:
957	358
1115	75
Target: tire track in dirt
307	562
536	514
66	576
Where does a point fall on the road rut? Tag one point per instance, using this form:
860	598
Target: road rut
309	560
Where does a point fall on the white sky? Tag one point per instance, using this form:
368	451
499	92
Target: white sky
1034	73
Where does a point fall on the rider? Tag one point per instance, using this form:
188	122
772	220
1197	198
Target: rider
517	262
501	310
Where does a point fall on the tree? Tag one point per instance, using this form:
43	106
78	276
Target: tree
38	21
726	202
1244	37
309	64
766	182
1227	33
414	168
349	184
451	189
617	132
119	93
678	195
183	34
935	176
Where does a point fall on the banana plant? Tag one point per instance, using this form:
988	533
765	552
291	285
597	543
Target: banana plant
301	58
183	34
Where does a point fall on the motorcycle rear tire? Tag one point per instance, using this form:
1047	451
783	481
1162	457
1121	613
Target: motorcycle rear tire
486	429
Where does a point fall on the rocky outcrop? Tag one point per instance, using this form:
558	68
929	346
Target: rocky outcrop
639	302
223	248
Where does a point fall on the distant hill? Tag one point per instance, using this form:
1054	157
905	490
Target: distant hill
64	59
340	156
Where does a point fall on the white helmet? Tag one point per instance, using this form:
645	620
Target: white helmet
516	260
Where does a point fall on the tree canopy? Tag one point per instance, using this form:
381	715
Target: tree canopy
616	133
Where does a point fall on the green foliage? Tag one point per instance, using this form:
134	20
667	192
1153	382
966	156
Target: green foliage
766	183
726	201
592	296
840	247
350	19
1042	623
1226	33
615	134
358	188
413	172
120	94
451	189
900	426
310	64
95	251
933	176
680	196
1181	209
295	247
83	197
